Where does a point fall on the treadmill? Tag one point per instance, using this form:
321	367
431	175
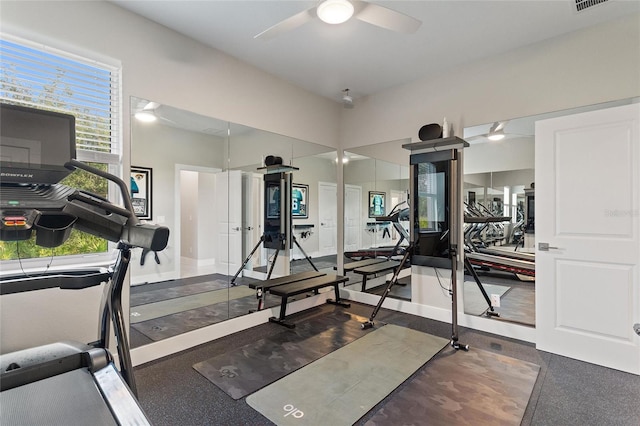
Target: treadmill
66	383
400	212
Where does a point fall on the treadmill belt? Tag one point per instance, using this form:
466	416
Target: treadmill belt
67	399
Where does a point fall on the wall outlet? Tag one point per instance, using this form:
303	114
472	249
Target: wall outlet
495	300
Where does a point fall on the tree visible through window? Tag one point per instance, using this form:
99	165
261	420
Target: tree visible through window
40	77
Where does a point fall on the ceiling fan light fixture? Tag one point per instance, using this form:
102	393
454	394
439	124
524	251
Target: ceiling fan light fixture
335	11
496	136
146	116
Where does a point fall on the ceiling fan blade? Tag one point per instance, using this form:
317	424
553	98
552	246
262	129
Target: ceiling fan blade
498	125
288	24
381	16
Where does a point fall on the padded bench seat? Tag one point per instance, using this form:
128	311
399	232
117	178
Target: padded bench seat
287	279
264	286
348	267
299	287
375	269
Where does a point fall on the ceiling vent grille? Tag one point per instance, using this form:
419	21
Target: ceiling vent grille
585	4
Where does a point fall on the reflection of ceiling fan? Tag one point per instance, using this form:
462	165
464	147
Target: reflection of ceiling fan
495	133
339	11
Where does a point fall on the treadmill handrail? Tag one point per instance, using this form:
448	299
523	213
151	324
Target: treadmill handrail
123	186
66	280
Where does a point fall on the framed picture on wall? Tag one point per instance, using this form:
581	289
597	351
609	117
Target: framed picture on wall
377	204
141	191
300	201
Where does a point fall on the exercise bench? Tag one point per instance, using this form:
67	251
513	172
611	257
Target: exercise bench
348	267
303	286
375	269
262	287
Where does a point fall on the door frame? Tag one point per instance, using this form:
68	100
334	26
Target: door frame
177	211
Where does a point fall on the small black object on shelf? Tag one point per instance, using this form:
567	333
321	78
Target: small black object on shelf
430	131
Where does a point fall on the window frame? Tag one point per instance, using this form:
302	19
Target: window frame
113	159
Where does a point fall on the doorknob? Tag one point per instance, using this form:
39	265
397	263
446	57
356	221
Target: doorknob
249	228
237	228
546	247
636	328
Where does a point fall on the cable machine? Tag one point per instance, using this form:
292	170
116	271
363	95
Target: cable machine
277	233
435	178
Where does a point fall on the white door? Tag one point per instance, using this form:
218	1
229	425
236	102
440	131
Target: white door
352	217
328	214
588	210
397	197
251	217
229	216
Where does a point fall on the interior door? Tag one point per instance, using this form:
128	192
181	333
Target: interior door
328	213
588	213
229	217
352	217
251	217
397	197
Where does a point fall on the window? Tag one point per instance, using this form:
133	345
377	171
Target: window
42	77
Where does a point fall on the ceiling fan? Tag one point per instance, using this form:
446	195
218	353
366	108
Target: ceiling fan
339	11
496	132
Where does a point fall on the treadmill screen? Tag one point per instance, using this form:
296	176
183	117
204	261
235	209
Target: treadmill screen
34	145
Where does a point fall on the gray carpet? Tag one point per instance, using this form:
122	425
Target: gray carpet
253	366
341	387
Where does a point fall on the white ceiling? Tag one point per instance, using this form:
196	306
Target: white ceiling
325	59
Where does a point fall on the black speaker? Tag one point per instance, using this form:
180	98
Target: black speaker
430	131
272	160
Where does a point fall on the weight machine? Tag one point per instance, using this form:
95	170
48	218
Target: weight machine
435	179
278	233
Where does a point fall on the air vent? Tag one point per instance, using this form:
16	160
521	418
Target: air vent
586	4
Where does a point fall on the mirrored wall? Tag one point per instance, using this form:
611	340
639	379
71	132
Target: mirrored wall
376	215
204	179
499	173
499	197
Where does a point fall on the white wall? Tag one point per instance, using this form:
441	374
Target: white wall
189	218
591	66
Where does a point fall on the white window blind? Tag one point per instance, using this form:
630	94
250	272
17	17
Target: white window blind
42	77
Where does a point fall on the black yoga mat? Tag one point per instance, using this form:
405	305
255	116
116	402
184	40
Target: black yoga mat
253	366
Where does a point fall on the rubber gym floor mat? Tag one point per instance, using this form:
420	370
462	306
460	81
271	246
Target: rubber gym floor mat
474	302
182	322
179	304
185	321
464	388
344	385
401	290
519	305
253	366
179	290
